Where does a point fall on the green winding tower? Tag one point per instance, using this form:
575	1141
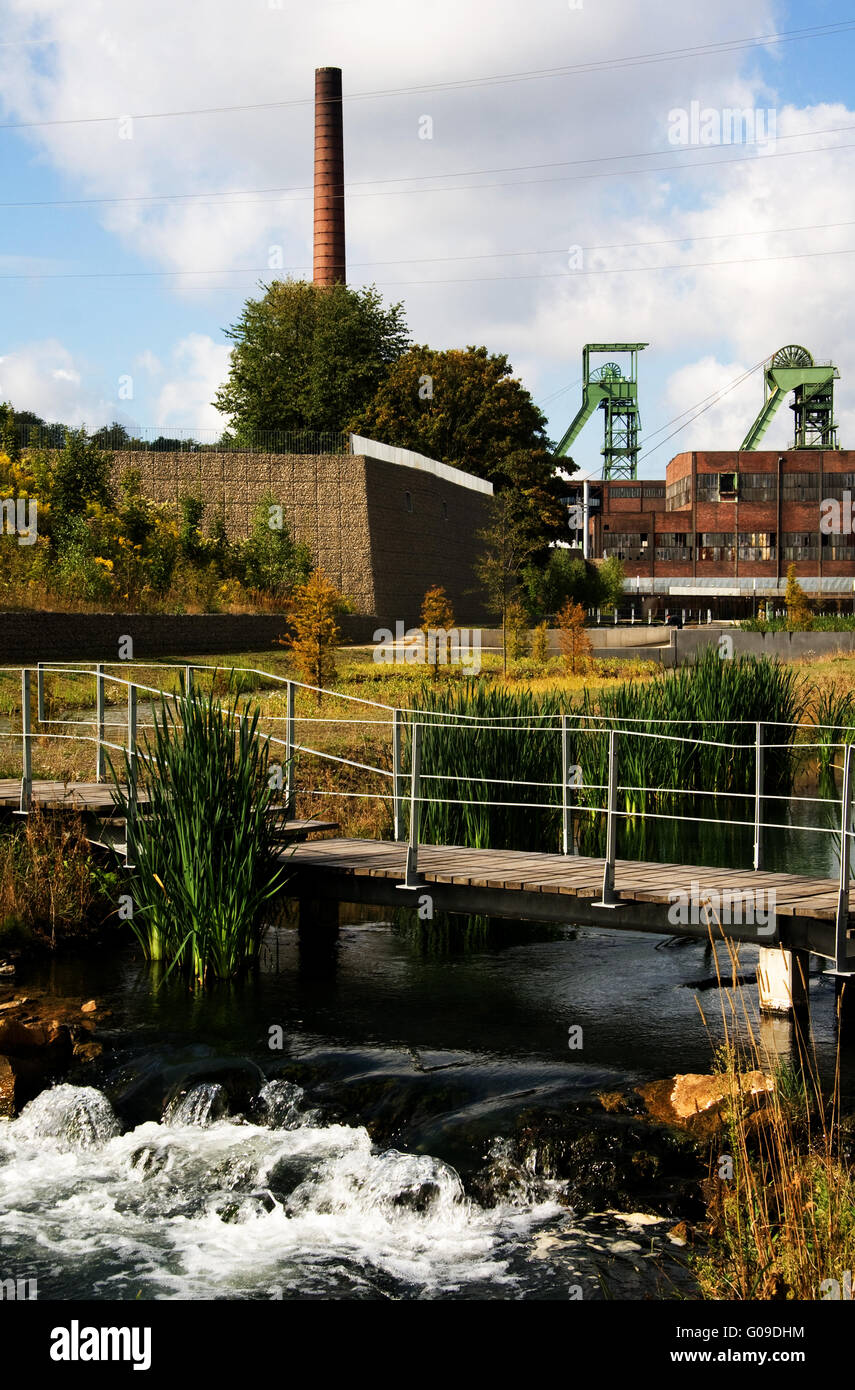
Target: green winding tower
792	368
617	395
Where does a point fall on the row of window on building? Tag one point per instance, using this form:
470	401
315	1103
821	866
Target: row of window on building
754	487
678	547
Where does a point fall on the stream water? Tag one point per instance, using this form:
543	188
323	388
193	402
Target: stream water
394	1114
419	1128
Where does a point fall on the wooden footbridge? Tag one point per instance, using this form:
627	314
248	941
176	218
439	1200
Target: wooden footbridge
799	913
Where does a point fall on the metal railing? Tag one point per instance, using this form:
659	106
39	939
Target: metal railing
410	790
195	441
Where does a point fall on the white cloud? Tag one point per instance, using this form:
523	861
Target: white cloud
44	377
148	362
702	323
198	365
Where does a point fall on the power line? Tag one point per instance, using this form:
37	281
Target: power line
536	74
521	183
706	402
434	260
236	194
457	280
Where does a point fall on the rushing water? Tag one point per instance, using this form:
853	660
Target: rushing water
387	1143
395	1114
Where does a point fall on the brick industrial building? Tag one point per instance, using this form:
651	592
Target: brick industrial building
721	529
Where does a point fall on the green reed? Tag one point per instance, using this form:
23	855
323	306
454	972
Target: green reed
200	828
675	735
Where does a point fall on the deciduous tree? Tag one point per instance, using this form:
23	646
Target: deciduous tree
308	357
573	640
312	611
437	615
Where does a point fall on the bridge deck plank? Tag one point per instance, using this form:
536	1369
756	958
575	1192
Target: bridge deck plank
571	875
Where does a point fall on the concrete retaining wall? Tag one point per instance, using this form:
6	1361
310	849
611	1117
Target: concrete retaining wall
28	637
786	646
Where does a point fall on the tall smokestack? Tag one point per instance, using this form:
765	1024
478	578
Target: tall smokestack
329	255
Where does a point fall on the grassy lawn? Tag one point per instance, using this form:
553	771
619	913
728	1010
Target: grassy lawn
345	728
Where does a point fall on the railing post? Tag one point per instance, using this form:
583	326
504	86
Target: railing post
132	769
132	722
758	796
842	921
411	877
100	767
26	745
290	785
566	821
40	691
610	898
397	772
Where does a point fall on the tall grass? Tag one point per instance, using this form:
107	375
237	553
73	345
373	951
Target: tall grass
783	1221
50	886
201	836
834	711
674	736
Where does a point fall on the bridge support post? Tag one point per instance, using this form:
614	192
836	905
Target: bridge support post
188	680
782	979
610	897
758	797
100	765
290	786
26	745
318	919
40	691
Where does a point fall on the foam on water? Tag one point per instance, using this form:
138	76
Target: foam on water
206	1207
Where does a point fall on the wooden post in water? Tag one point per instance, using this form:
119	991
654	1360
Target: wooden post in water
99	720
26	745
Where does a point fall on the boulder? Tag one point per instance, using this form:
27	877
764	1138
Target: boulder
697	1101
31	1055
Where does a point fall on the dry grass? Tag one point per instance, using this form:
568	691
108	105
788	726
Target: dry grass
49	884
782	1216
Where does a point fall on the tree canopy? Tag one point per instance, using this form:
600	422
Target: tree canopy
465	407
308	357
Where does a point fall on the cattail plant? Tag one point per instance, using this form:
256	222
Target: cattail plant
693	729
200	831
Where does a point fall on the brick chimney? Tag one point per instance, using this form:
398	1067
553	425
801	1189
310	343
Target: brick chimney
329	254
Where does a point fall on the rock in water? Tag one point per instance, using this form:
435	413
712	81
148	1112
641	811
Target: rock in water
279	1105
201	1106
78	1116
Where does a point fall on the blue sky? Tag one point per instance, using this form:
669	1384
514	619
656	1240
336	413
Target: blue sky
67	344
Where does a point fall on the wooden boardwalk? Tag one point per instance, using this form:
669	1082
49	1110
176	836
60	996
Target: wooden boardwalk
554	887
96	798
